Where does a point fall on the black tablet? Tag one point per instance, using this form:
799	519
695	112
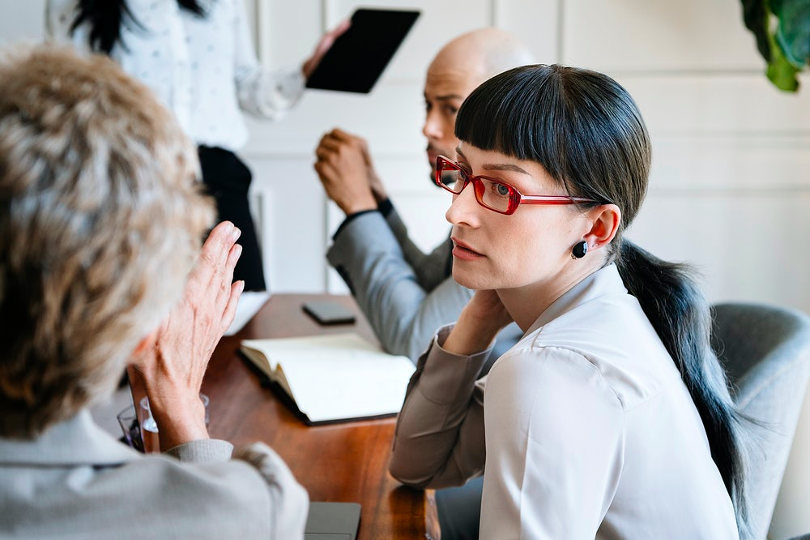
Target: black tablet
358	57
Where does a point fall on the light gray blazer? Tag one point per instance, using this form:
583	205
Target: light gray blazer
404	293
76	481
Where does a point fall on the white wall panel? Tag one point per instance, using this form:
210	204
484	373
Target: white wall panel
21	20
390	118
294	228
748	245
535	23
657	35
731	162
287	31
718	103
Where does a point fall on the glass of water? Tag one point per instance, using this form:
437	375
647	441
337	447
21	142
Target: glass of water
149	428
140	429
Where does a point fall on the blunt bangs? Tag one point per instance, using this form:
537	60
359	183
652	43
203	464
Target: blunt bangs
580	125
517	113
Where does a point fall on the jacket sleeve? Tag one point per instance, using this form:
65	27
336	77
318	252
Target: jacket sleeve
403	313
288	501
439	438
430	268
261	92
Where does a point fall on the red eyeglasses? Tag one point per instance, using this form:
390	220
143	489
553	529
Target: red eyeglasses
492	193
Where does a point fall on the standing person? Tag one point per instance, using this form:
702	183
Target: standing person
198	58
611	418
405	293
100	227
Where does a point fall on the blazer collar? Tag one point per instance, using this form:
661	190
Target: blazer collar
605	281
76	441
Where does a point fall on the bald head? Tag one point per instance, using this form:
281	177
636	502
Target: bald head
479	55
458	68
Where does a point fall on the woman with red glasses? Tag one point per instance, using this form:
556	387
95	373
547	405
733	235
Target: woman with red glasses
611	418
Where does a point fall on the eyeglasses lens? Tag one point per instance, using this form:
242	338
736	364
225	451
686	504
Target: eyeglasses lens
452	178
494	195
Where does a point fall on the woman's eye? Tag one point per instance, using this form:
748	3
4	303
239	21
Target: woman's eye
450	110
502	190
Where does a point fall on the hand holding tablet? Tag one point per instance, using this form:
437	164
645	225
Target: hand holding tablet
359	55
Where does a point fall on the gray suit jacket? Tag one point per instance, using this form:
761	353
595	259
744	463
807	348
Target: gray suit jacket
404	293
76	481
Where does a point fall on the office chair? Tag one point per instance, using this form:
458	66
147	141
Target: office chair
766	353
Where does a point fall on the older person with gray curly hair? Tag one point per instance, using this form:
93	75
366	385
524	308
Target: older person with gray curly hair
100	268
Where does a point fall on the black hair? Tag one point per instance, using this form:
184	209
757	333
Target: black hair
588	134
106	17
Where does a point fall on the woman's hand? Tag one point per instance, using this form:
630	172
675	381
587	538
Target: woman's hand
323	45
480	321
173	364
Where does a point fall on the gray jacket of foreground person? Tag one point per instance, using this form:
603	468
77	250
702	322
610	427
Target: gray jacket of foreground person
76	480
404	293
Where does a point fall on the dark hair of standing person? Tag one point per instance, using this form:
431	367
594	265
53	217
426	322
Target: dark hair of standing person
107	17
588	134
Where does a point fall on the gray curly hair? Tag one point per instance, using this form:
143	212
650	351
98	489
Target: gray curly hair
100	222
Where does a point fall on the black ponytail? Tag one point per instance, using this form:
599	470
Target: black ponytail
680	314
107	17
587	133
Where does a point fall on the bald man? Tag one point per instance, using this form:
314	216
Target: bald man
407	294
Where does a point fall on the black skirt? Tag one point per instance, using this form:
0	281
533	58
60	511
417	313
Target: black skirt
227	179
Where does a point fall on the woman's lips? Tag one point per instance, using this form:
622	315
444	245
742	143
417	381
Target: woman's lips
465	252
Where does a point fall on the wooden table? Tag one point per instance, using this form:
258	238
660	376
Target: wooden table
336	463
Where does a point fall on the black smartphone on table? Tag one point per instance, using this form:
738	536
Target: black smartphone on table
326	312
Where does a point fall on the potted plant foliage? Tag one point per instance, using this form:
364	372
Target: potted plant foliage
782	31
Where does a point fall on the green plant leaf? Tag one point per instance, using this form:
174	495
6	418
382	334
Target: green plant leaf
755	17
781	72
793	31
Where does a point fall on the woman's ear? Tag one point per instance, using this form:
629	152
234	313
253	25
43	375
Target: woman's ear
605	220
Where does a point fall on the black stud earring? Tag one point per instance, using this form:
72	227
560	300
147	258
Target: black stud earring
579	250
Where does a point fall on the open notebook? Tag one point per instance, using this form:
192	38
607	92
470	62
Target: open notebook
334	377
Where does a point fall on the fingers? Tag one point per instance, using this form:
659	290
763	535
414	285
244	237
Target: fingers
326	172
230	309
324	153
340	28
215	251
226	278
346	137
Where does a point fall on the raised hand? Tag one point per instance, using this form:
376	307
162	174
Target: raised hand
171	365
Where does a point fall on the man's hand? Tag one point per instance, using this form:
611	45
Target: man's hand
346	172
171	366
323	45
480	321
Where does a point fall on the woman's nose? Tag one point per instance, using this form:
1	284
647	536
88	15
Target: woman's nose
465	208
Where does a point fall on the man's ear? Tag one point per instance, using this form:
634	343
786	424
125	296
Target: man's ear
605	221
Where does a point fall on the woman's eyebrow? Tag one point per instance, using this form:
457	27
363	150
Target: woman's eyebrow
495	166
503	167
